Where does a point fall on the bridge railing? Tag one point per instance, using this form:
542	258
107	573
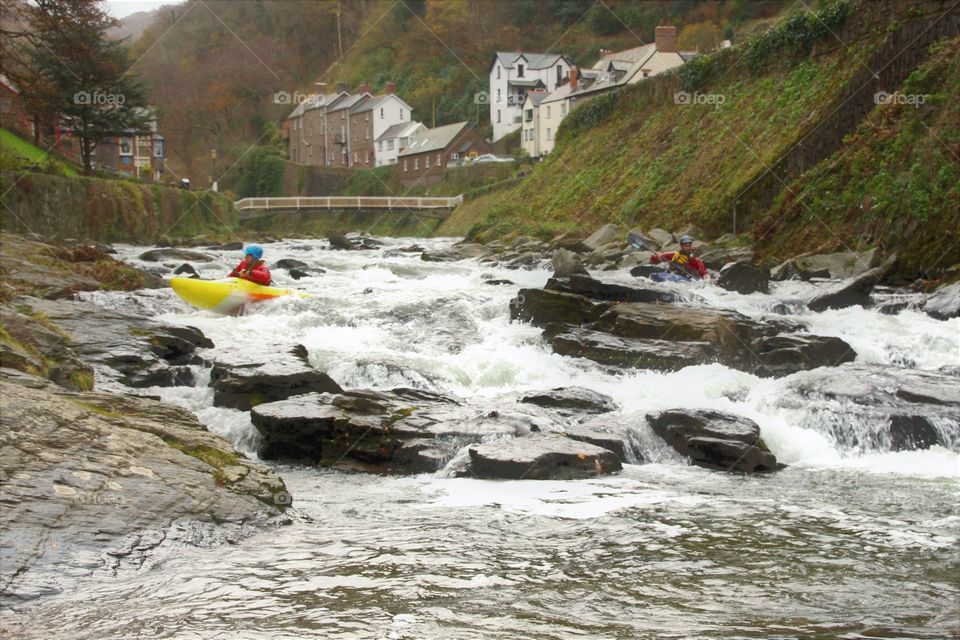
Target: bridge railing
347	202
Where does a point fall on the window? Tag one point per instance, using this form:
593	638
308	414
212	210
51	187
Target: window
379	145
426	162
548	111
498	72
646	74
438	160
559	73
498	96
416	164
519	70
390	144
126	146
404	166
528	115
366	132
454	157
158	148
381	113
563	108
498	115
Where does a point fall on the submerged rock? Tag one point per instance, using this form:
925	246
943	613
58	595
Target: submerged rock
714	439
541	457
172	254
944	303
574	399
743	278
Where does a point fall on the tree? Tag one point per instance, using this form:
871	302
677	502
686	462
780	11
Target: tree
82	75
701	36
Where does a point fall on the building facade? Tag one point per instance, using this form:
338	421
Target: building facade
512	76
432	150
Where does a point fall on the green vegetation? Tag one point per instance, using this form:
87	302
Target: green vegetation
261	174
641	159
896	181
216	458
110	210
16	154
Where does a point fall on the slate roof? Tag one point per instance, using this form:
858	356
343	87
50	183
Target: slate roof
434	139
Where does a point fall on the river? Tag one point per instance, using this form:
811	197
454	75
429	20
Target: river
846	542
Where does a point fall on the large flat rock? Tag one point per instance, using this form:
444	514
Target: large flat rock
541	457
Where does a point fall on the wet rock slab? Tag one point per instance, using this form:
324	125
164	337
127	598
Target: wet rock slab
96	481
892	408
541	457
714	439
129	349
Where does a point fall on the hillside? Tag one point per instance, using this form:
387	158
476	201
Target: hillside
787	145
212	67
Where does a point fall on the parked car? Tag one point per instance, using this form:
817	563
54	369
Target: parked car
489	157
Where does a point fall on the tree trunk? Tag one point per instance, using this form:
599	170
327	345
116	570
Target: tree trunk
86	149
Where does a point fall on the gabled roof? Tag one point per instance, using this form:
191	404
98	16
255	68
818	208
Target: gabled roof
377	101
628	56
399	130
314	101
534	60
10	84
347	102
434	139
536	97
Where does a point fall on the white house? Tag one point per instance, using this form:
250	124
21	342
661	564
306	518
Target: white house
394	140
611	71
531	119
512	75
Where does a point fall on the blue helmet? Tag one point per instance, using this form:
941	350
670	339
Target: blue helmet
254	250
686	240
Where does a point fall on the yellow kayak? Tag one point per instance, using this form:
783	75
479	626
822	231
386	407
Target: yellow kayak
225	296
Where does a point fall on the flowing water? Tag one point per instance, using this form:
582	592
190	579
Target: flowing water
844	543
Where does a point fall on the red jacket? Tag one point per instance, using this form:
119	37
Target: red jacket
257	273
693	263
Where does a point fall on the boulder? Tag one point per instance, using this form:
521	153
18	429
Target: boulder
540	307
290	263
604	235
30	346
944	303
628	352
787	353
717	257
714	439
572	400
242	385
339	241
851	292
744	278
873	407
228	246
541	457
831	265
186	269
463	251
660	237
172	254
597	290
615	442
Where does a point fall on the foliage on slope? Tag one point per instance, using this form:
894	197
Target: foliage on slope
637	158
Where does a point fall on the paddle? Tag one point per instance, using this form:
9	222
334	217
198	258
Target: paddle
638	242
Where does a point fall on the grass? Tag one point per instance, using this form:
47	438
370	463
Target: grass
18	154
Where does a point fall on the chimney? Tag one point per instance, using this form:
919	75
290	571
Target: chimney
574	74
391	87
666	38
341	87
364	88
320	88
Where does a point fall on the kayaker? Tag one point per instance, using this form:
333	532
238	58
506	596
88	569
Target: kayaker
685	258
252	268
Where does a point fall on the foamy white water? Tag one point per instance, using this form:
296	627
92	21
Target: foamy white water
842	536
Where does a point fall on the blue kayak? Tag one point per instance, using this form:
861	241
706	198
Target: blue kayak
666	276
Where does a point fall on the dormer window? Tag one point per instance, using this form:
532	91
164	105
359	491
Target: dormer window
519	70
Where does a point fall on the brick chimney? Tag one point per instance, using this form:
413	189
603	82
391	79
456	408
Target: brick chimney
666	38
574	75
365	88
391	87
320	88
